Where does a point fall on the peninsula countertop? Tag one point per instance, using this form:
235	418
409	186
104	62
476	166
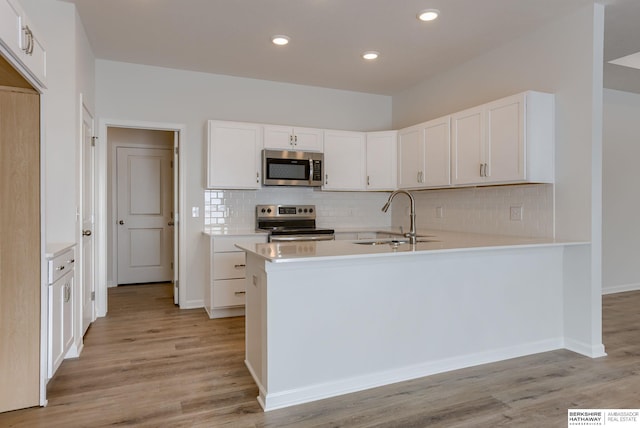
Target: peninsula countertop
429	241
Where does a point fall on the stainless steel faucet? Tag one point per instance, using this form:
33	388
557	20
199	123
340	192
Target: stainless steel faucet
412	227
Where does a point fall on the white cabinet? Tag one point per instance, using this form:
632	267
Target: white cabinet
290	138
234	155
510	140
22	40
344	160
381	154
60	332
424	155
225	292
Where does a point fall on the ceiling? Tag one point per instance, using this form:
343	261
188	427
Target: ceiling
232	37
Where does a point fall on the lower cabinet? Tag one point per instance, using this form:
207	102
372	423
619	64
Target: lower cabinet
61	271
225	291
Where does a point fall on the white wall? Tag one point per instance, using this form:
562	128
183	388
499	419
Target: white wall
151	94
564	57
621	204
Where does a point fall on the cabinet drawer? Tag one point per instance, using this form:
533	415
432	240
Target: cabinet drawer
61	264
229	292
228	243
228	265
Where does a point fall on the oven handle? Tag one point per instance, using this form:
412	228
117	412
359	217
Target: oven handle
301	238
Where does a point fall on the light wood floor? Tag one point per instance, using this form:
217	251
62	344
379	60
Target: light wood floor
150	364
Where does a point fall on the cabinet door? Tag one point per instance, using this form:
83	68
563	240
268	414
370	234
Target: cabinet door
308	139
56	339
67	314
467	140
278	137
437	152
234	155
344	160
410	158
505	140
381	160
10	30
33	53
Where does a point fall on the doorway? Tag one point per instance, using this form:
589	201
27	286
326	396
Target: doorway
141	206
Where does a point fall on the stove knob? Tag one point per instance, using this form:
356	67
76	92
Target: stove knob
310	210
305	210
299	210
269	210
264	211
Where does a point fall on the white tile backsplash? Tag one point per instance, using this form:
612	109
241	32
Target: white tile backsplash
236	208
477	210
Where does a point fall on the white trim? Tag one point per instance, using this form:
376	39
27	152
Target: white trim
320	391
101	211
621	288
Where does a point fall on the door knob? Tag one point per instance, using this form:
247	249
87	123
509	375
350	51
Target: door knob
86	232
121	222
171	223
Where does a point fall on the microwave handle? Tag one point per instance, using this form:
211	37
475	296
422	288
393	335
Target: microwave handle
310	170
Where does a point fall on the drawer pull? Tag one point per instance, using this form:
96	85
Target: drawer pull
240	266
71	261
61	267
240	293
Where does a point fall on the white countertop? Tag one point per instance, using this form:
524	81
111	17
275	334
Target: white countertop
231	231
439	241
56	248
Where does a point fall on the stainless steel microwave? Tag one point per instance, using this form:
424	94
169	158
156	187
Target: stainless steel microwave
292	168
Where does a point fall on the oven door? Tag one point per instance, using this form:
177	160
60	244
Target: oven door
290	238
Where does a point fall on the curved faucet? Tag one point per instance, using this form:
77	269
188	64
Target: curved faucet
412	228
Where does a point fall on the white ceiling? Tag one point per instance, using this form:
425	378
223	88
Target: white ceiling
232	37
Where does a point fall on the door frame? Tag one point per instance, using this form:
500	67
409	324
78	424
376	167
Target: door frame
102	204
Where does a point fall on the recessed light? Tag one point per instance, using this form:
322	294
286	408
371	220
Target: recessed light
280	40
370	55
428	14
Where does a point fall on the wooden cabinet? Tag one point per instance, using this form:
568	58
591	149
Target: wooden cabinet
21	345
344	160
234	155
22	40
510	140
225	292
289	138
381	154
424	155
60	277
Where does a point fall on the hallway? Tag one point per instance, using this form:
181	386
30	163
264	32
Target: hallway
150	364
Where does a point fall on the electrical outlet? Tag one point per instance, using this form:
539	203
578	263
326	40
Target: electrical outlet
439	212
195	212
515	213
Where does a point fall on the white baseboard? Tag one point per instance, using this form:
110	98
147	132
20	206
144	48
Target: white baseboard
193	304
337	387
620	288
595	351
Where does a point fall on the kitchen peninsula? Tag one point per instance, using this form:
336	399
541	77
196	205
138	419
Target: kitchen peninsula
329	318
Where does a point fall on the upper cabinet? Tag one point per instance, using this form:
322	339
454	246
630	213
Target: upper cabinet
234	155
510	140
19	37
344	160
381	154
289	138
424	155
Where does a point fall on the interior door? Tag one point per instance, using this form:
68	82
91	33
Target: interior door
88	210
145	200
174	217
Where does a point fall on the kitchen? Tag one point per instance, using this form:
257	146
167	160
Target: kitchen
118	84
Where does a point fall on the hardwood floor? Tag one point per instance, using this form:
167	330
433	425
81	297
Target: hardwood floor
150	364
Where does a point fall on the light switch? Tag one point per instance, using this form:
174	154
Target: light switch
195	211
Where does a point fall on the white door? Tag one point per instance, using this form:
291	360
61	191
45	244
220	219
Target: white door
145	200
88	210
173	224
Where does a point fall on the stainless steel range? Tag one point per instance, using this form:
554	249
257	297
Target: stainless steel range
291	223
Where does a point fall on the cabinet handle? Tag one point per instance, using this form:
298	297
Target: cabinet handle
291	139
368	181
257	177
61	267
240	293
481	170
239	266
295	139
326	179
71	261
67	292
486	174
